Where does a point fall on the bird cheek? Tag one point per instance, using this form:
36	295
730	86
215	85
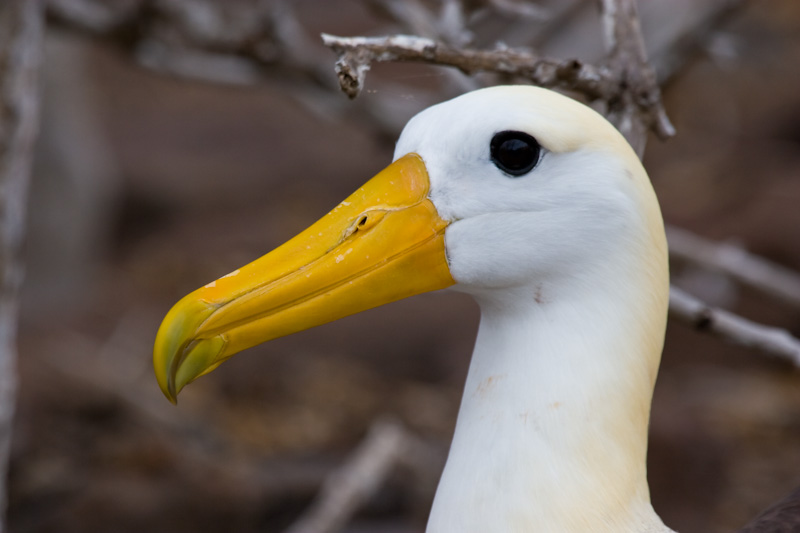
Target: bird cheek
480	259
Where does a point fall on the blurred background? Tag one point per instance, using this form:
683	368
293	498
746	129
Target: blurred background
151	180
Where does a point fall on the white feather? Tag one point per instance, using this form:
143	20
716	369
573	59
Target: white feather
569	266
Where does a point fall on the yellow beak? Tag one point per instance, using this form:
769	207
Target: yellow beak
383	243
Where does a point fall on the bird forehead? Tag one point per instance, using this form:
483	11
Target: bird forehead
466	123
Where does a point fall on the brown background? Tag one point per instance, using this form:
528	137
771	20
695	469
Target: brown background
148	186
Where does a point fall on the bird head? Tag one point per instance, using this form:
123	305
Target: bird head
494	190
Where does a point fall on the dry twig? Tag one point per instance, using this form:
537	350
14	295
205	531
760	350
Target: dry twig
517	8
347	488
756	272
772	341
356	54
638	108
240	43
626	83
20	52
637	105
207	33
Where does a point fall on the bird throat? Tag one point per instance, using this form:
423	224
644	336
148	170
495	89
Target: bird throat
552	430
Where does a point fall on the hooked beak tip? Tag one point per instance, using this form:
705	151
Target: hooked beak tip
179	356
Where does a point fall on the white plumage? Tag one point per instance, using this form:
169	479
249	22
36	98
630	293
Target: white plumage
568	261
569	266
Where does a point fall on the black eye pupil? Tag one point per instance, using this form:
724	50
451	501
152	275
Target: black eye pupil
514	152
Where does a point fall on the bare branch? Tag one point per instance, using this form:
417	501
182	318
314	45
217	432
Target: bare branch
769	340
349	487
91	16
245	29
240	43
667	60
638	107
20	56
356	54
452	23
188	63
519	8
746	268
627	83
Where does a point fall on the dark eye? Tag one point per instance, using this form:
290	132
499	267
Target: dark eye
514	152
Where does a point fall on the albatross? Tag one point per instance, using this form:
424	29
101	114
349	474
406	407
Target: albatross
536	206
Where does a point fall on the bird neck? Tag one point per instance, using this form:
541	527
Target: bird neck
552	431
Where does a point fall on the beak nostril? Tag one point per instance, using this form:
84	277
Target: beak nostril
365	221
